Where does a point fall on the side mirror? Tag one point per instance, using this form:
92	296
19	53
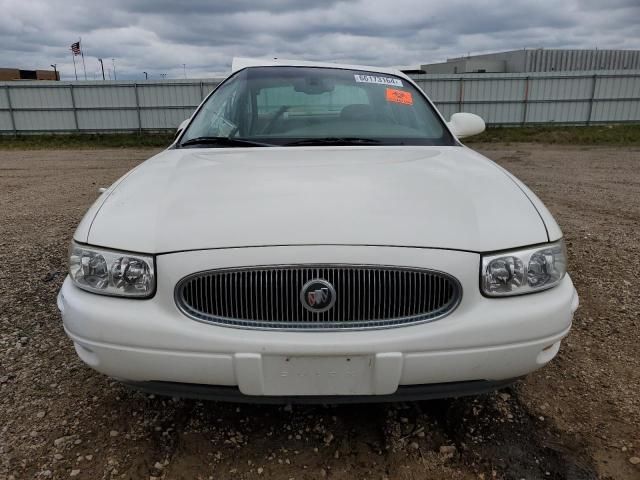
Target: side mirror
181	127
466	124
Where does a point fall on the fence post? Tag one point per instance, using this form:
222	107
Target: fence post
525	101
461	94
73	105
135	89
593	96
201	90
11	116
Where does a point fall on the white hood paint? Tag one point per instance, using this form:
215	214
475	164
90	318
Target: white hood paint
439	197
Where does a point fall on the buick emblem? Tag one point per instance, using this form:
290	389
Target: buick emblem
317	295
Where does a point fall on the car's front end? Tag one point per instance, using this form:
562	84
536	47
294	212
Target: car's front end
356	272
256	336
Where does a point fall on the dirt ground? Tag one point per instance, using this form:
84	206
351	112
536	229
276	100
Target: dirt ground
578	418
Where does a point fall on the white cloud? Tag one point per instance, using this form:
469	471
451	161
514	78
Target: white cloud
158	36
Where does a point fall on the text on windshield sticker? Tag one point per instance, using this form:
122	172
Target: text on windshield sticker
396	82
399	96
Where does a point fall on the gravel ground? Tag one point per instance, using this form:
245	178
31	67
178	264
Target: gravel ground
578	418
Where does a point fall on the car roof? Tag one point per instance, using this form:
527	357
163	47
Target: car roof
241	62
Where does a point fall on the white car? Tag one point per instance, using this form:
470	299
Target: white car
317	232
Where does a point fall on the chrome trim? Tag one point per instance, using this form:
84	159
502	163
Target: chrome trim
380	290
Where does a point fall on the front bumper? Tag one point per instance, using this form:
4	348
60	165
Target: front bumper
484	339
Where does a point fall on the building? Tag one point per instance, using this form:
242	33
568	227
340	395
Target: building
539	60
17	74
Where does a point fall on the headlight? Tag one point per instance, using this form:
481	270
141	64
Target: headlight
523	271
110	272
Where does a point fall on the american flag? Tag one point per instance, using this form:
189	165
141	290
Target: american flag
75	48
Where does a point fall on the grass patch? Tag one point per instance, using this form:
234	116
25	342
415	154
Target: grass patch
98	140
592	135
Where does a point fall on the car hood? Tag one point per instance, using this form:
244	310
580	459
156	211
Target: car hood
437	197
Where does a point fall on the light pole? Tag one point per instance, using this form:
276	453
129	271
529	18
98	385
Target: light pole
113	61
55	70
102	66
184	69
146	75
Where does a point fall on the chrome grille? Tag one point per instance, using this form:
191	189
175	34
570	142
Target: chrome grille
268	297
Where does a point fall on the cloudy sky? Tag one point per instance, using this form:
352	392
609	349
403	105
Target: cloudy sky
159	36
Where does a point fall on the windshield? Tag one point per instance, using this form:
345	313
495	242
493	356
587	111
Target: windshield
306	105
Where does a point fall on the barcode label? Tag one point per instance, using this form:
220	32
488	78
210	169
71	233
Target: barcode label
396	82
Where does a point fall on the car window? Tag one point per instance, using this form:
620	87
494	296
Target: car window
270	99
281	105
218	116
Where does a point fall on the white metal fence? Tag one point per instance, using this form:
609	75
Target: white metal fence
578	98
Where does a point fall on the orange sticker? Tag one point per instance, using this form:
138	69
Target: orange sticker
399	96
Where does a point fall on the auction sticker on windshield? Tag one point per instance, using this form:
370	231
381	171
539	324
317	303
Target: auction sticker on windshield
399	96
379	80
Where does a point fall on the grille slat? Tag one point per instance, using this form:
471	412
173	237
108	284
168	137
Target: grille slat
367	296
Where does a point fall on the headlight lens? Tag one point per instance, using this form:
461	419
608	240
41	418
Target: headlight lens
110	272
523	271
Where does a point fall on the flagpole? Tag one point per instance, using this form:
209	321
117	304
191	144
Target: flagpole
82	55
73	57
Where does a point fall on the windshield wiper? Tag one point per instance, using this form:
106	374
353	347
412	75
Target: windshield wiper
334	141
223	142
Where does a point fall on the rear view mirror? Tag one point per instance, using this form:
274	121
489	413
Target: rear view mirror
466	124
